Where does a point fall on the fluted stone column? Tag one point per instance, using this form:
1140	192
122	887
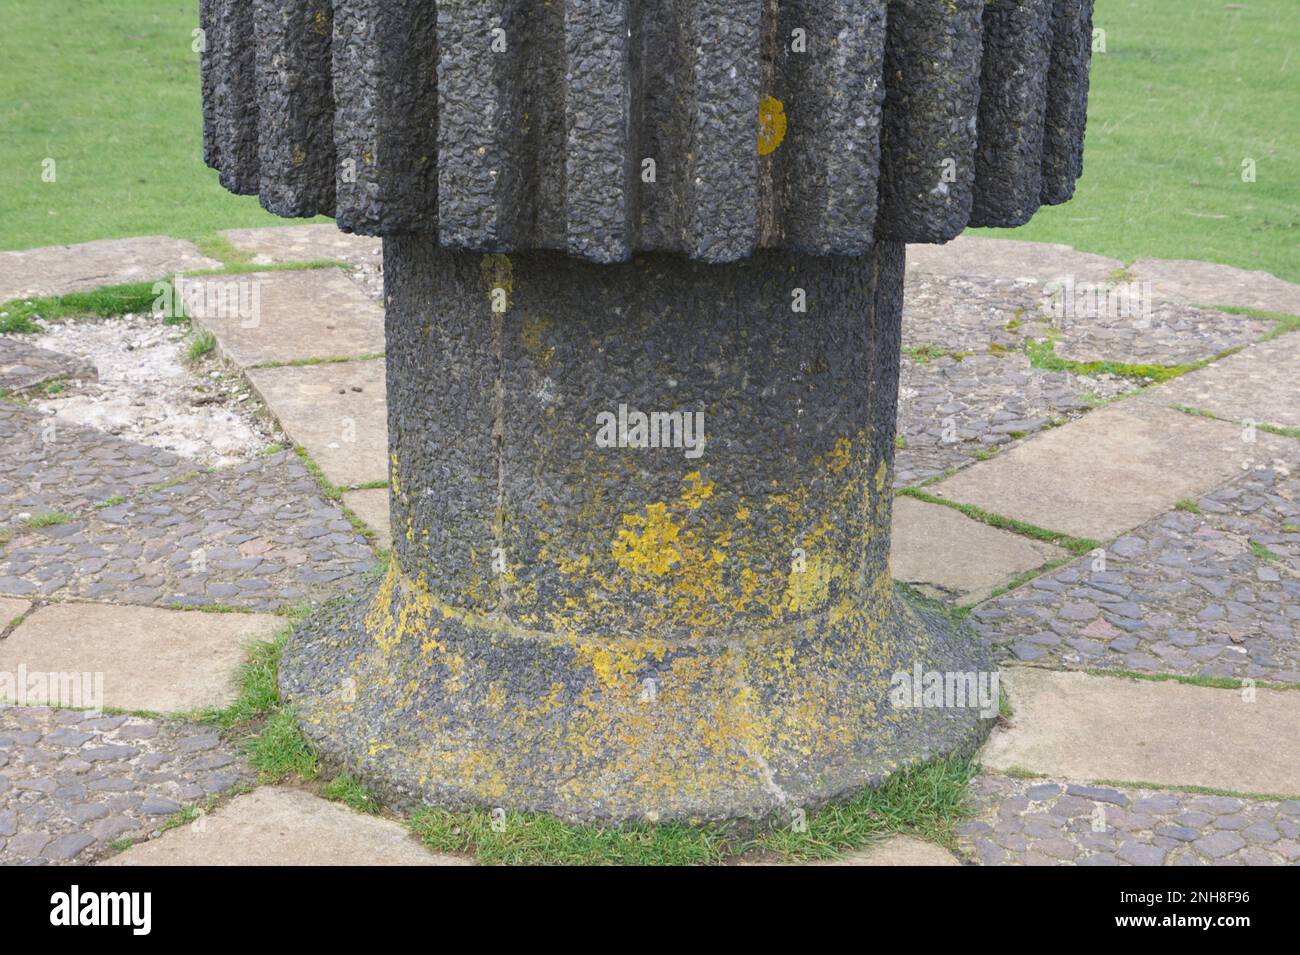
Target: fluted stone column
644	268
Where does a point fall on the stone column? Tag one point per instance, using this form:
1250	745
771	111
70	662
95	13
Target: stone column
644	272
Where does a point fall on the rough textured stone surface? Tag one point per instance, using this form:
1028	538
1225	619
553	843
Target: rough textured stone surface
275	826
159	661
1207	283
73	783
1078	726
1111	470
257	535
24	367
305	243
58	269
694	550
321	313
402	120
1211	592
336	411
947	555
1051	822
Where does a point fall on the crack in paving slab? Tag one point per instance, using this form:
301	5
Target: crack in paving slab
257	536
1050	822
72	782
1212	593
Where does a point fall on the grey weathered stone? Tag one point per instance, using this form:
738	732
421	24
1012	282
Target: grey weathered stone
543	583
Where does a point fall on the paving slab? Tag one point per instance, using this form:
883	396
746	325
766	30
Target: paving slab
1065	822
338	411
1113	469
1208	283
946	555
1211	590
1261	383
1078	726
898	851
161	661
11	610
286	827
318	313
371	505
304	243
1031	261
24	366
58	269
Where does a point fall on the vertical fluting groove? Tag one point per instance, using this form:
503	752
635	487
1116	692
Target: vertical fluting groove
230	114
770	85
480	58
1013	87
660	104
722	172
385	123
598	125
932	73
1067	99
831	88
295	106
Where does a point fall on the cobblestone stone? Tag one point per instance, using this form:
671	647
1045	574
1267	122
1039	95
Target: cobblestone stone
1030	822
24	366
74	787
1211	592
257	535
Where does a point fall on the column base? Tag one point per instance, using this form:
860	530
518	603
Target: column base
425	705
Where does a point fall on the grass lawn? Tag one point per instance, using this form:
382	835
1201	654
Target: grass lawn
1186	90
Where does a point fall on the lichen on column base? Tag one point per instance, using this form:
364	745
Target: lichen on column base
575	624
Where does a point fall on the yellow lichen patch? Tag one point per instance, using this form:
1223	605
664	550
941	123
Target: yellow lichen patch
646	544
771	125
532	333
392	473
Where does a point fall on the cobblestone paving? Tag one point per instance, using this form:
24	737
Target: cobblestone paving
952	412
72	783
256	536
24	366
972	314
1214	593
1037	822
53	466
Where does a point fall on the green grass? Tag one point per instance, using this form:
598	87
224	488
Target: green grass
49	519
927	801
1042	354
1211	682
1188	506
201	345
19	315
343	788
1075	545
1262	552
110	91
1186	90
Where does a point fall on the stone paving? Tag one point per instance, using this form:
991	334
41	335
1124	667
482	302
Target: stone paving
1208	588
257	536
24	367
59	269
50	466
1040	822
1213	590
73	783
